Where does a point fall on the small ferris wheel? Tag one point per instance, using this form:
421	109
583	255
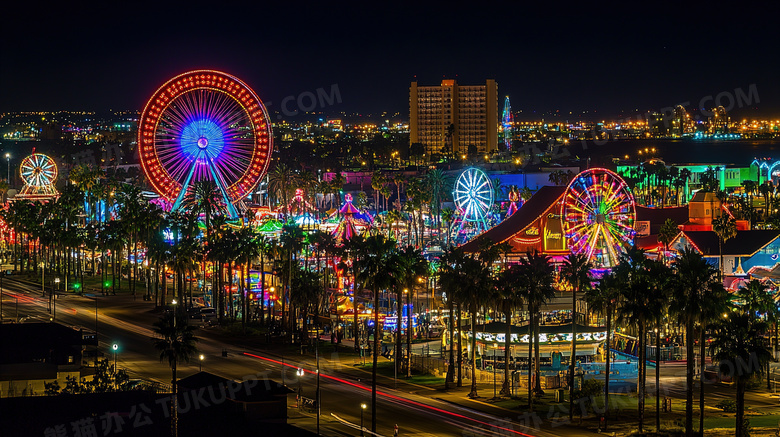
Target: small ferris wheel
473	196
39	174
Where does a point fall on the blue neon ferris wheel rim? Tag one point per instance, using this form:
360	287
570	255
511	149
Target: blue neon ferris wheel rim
473	195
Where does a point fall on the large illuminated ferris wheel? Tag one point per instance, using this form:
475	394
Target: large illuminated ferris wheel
205	125
598	216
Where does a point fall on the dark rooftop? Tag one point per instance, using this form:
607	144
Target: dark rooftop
746	243
530	211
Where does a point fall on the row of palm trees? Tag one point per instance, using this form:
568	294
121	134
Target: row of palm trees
421	196
655	183
643	295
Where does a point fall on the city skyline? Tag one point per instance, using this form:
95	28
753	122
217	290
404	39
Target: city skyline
591	63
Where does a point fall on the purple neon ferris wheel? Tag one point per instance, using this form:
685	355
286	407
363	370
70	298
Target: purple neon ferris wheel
205	125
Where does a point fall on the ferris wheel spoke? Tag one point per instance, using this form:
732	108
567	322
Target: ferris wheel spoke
178	169
481	203
237	165
222	187
483	199
481	184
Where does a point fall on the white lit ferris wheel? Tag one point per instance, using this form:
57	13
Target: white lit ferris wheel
473	196
39	174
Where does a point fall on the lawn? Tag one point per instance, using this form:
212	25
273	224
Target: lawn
385	368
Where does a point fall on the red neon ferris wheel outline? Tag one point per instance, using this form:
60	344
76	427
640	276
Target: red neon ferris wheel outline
215	81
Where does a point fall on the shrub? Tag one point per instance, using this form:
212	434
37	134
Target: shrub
727	405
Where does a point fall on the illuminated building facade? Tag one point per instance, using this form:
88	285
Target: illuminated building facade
448	118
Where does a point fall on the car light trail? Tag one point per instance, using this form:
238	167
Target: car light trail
388	395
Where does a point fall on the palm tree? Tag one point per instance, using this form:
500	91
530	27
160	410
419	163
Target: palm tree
176	343
480	288
280	181
726	228
576	272
693	275
510	281
739	342
204	198
291	238
451	279
657	296
378	252
447	215
305	291
336	186
378	181
639	307
399	180
438	183
668	231
603	299
539	281
409	265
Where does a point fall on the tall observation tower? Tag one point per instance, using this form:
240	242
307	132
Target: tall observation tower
507	123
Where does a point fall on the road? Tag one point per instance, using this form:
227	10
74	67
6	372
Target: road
128	323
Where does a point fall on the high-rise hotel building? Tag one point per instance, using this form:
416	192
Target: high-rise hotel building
458	114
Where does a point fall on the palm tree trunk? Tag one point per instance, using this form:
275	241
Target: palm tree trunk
409	331
689	378
399	312
740	416
451	367
460	350
657	379
702	352
607	368
505	388
641	373
573	357
537	366
174	402
531	309
242	293
377	334
473	392
230	292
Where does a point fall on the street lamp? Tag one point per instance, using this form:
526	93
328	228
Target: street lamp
200	363
271	304
8	158
115	347
174	302
299	373
362	408
54	298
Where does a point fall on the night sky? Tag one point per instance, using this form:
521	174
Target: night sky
612	60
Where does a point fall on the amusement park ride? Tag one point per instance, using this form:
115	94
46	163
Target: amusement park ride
598	215
39	174
473	197
205	125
